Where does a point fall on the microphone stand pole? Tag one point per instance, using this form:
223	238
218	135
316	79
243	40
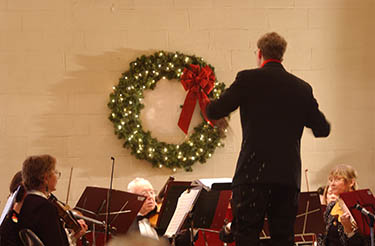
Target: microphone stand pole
371	230
109	197
371	218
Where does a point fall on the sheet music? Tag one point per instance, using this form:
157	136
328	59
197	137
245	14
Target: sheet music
184	204
8	205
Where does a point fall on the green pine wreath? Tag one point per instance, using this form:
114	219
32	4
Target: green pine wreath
125	103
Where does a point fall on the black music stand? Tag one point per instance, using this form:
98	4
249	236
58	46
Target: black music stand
309	220
124	207
208	209
211	206
173	192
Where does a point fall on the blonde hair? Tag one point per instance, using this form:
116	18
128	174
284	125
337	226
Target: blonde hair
347	172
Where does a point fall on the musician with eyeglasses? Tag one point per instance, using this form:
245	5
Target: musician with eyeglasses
142	224
340	229
39	214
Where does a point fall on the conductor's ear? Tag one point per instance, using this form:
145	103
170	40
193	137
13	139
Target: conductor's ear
260	54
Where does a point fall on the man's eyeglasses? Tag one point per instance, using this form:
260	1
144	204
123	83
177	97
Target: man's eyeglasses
148	193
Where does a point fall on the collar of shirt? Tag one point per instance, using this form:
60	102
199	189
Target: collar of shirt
269	60
38	193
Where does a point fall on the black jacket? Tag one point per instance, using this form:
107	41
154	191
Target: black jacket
9	230
275	106
40	215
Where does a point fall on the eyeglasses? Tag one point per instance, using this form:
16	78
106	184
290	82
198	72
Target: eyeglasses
336	179
148	193
57	173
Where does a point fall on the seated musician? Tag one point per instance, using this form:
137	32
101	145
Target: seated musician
38	213
9	225
142	224
340	230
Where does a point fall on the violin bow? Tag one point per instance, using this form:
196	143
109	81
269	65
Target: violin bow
70	181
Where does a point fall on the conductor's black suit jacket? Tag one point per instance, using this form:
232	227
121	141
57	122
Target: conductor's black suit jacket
275	106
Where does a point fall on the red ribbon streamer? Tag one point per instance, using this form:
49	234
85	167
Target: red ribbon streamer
199	82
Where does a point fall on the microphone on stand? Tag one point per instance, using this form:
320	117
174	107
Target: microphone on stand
364	211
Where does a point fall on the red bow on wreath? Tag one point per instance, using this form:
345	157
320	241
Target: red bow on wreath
199	82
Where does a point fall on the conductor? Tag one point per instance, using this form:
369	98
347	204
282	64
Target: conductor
275	106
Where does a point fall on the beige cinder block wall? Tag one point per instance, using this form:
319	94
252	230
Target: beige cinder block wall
60	59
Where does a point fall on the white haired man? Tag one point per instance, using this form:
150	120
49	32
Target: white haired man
143	187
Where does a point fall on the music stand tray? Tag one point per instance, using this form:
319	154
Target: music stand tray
364	198
309	219
124	206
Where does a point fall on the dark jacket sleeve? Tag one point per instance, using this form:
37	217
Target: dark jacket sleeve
50	230
229	101
316	119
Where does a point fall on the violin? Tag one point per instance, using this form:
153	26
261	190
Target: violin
65	214
339	209
159	201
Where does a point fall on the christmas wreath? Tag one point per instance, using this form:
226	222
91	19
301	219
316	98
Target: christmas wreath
125	102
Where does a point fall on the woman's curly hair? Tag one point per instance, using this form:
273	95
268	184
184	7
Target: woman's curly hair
35	168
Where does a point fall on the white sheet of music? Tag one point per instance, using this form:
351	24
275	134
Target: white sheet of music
184	205
9	205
